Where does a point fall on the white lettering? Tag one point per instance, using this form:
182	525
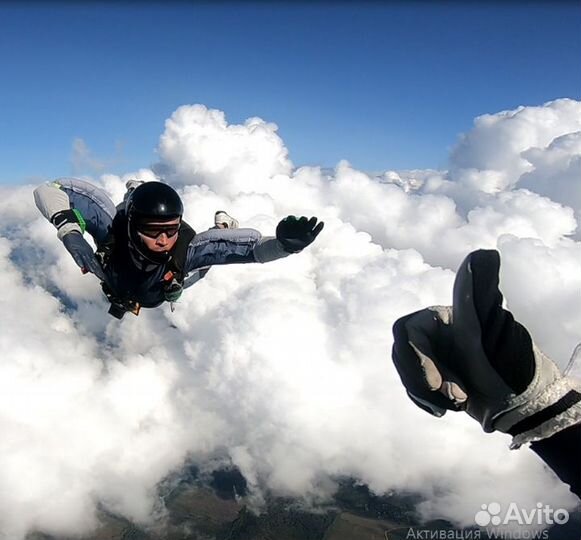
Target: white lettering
561	516
529	518
513	514
547	510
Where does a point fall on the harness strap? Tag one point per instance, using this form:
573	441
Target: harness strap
177	262
173	280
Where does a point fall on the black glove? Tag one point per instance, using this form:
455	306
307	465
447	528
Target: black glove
296	234
476	357
83	254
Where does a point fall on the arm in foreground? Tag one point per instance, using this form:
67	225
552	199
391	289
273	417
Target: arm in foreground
476	357
561	453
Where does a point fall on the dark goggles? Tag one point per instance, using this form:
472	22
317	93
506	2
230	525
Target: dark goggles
155	230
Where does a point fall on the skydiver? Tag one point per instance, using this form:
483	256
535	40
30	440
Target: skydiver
475	357
146	253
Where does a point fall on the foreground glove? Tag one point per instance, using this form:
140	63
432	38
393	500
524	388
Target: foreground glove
296	234
83	254
476	357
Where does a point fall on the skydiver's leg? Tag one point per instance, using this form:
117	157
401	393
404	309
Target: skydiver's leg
130	185
224	221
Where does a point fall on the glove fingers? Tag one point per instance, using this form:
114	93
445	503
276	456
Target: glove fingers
412	377
95	268
481	268
296	234
418	339
78	260
431	337
428	406
318	228
83	254
439	377
478	312
507	343
90	264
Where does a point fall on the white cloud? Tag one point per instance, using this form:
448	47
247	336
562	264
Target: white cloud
490	157
200	145
557	171
283	368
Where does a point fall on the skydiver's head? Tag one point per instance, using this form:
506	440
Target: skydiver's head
154	213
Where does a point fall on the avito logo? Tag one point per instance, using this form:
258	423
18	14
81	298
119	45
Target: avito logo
491	514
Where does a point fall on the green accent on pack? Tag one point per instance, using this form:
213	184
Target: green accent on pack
57	185
81	220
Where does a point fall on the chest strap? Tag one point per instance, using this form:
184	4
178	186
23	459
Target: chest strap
173	279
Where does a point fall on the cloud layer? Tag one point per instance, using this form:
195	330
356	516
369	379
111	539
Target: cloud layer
283	369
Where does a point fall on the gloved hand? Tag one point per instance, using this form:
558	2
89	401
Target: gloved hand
83	254
475	357
296	234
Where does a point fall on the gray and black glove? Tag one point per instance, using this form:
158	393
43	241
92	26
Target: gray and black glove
296	234
475	357
83	254
70	226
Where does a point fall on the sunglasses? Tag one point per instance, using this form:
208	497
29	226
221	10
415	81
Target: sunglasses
154	231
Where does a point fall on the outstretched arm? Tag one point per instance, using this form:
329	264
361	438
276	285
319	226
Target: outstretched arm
476	357
237	246
292	236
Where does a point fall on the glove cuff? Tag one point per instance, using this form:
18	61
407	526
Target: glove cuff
556	409
65	217
550	404
68	228
269	249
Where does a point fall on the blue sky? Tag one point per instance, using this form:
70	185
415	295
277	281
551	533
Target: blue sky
383	85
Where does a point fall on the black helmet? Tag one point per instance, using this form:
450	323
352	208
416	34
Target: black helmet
154	200
151	201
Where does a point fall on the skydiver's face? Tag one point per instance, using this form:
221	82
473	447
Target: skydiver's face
159	236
